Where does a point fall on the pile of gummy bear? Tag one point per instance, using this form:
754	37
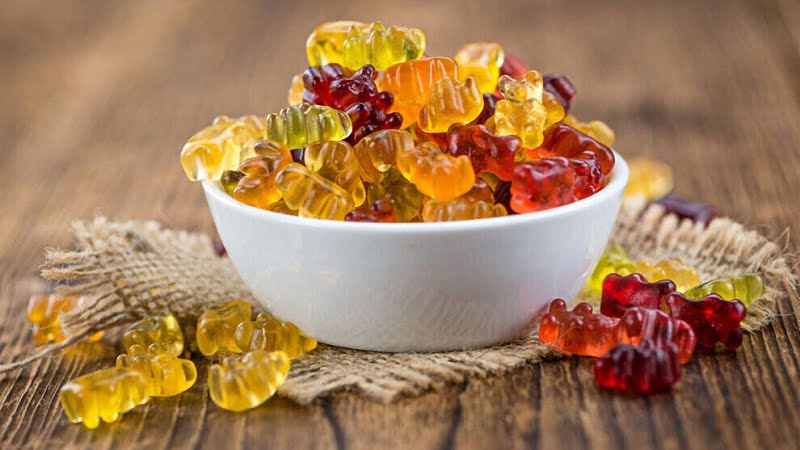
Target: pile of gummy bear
251	359
646	330
377	131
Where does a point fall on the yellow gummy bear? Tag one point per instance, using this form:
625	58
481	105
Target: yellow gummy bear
450	102
295	96
269	334
105	394
43	313
166	375
325	45
438	175
336	162
526	110
300	125
160	329
401	193
745	288
481	61
217	325
595	129
220	146
649	179
477	203
312	195
614	260
257	186
381	47
242	383
377	152
673	269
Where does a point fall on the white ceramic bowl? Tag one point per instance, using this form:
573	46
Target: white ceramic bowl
416	286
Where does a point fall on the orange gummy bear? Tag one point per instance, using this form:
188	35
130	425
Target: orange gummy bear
436	174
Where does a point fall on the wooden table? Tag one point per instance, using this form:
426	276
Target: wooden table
98	98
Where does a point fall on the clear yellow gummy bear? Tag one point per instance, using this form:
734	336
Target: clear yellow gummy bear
217	325
325	45
240	383
526	110
595	129
220	146
477	203
401	193
105	394
166	375
382	47
312	195
270	334
300	125
673	269
450	102
614	260
160	328
481	61
649	179
336	161
377	152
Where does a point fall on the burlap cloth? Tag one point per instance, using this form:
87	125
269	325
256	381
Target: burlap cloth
130	268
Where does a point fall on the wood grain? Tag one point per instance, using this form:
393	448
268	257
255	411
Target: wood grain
98	97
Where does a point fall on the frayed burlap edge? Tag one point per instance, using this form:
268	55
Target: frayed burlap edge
128	269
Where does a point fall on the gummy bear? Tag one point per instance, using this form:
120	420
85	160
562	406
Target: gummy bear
281	207
166	375
672	269
217	325
649	179
368	117
477	203
337	162
436	174
269	334
105	394
43	311
450	102
242	383
404	195
381	47
311	195
325	45
580	331
525	110
621	292
502	195
489	106
481	61
542	184
745	288
560	86
377	153
713	318
295	96
641	323
513	66
645	368
381	210
221	146
487	152
595	129
257	187
411	83
159	330
298	126
562	140
688	209
229	180
614	260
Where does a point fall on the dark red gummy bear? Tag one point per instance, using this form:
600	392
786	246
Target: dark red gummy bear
588	176
513	67
688	209
563	140
621	292
381	210
488	153
357	95
560	86
638	324
502	195
713	319
646	368
298	155
542	184
489	105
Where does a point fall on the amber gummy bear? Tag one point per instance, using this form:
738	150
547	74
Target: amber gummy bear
240	383
43	311
477	203
105	394
216	327
270	334
450	102
436	174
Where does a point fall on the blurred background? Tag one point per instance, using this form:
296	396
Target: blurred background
98	97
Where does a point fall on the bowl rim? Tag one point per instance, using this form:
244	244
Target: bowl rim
619	179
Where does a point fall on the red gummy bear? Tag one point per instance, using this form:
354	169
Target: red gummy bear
638	324
502	195
588	176
488	153
357	95
542	184
621	292
489	105
381	210
579	331
646	368
713	319
563	140
560	86
513	66
688	209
